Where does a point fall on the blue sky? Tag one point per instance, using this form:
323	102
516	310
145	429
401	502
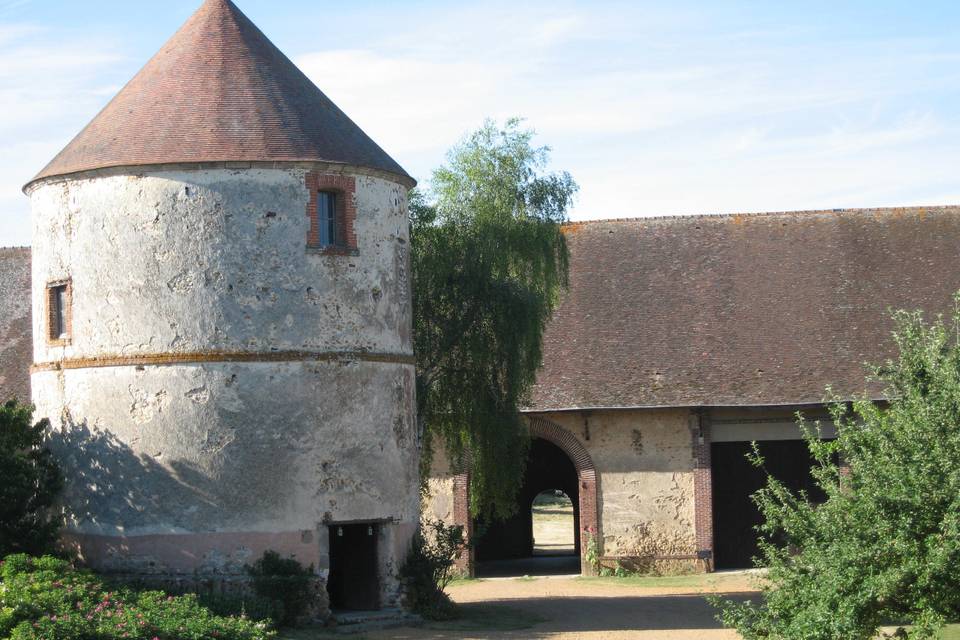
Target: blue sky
655	108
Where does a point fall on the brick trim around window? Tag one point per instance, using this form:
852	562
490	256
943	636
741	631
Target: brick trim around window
55	338
345	188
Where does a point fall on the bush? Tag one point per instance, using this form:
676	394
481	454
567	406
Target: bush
46	598
285	582
254	607
885	546
29	483
428	570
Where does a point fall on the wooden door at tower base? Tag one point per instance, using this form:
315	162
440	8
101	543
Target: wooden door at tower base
354	582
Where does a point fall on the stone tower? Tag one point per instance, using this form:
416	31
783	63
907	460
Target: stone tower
222	324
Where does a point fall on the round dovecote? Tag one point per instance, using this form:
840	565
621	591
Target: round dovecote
222	324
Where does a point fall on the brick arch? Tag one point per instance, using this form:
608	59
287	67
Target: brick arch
552	432
589	491
587	472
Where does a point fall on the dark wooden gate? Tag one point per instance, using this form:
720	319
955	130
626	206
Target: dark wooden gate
354	583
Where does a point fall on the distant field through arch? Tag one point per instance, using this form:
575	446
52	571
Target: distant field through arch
554	531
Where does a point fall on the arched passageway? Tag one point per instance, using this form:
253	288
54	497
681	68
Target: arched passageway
548	469
557	462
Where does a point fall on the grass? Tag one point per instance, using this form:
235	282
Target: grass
548	507
696	581
552	515
951	632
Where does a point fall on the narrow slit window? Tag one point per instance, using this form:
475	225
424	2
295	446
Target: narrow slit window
327	218
59	296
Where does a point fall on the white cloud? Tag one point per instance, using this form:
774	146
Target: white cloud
654	110
407	104
657	114
50	87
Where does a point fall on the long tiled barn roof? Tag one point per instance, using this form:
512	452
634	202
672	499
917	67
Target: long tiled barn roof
16	343
740	309
219	91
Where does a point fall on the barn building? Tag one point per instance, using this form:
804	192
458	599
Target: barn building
682	340
221	325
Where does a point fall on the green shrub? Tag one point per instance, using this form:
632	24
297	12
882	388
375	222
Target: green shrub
428	569
29	483
885	546
254	607
45	598
285	582
592	550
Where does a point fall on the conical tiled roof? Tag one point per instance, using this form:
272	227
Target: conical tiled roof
219	91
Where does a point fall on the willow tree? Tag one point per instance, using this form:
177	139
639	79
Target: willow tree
489	264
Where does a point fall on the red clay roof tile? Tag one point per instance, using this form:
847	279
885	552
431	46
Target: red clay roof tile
741	310
219	91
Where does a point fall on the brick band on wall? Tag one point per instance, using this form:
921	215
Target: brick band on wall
160	359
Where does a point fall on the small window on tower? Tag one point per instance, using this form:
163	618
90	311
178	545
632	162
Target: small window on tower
331	214
327	218
59	312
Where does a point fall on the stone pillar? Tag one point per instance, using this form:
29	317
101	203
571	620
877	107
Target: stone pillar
461	516
703	486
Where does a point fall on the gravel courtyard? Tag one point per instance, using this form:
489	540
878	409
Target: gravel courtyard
665	608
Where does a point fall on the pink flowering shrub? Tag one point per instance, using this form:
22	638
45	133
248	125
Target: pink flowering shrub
47	599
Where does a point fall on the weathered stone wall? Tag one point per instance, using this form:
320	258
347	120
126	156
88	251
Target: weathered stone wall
226	390
185	261
438	503
644	460
16	346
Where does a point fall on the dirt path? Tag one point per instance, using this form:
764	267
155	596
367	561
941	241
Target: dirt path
665	609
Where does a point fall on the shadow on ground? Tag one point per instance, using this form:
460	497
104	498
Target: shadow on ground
545	565
627	616
624	613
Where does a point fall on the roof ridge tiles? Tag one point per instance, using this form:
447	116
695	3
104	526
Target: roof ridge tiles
760	214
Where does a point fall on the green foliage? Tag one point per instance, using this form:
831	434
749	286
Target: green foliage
591	551
29	483
285	582
45	598
885	546
254	607
489	263
428	570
